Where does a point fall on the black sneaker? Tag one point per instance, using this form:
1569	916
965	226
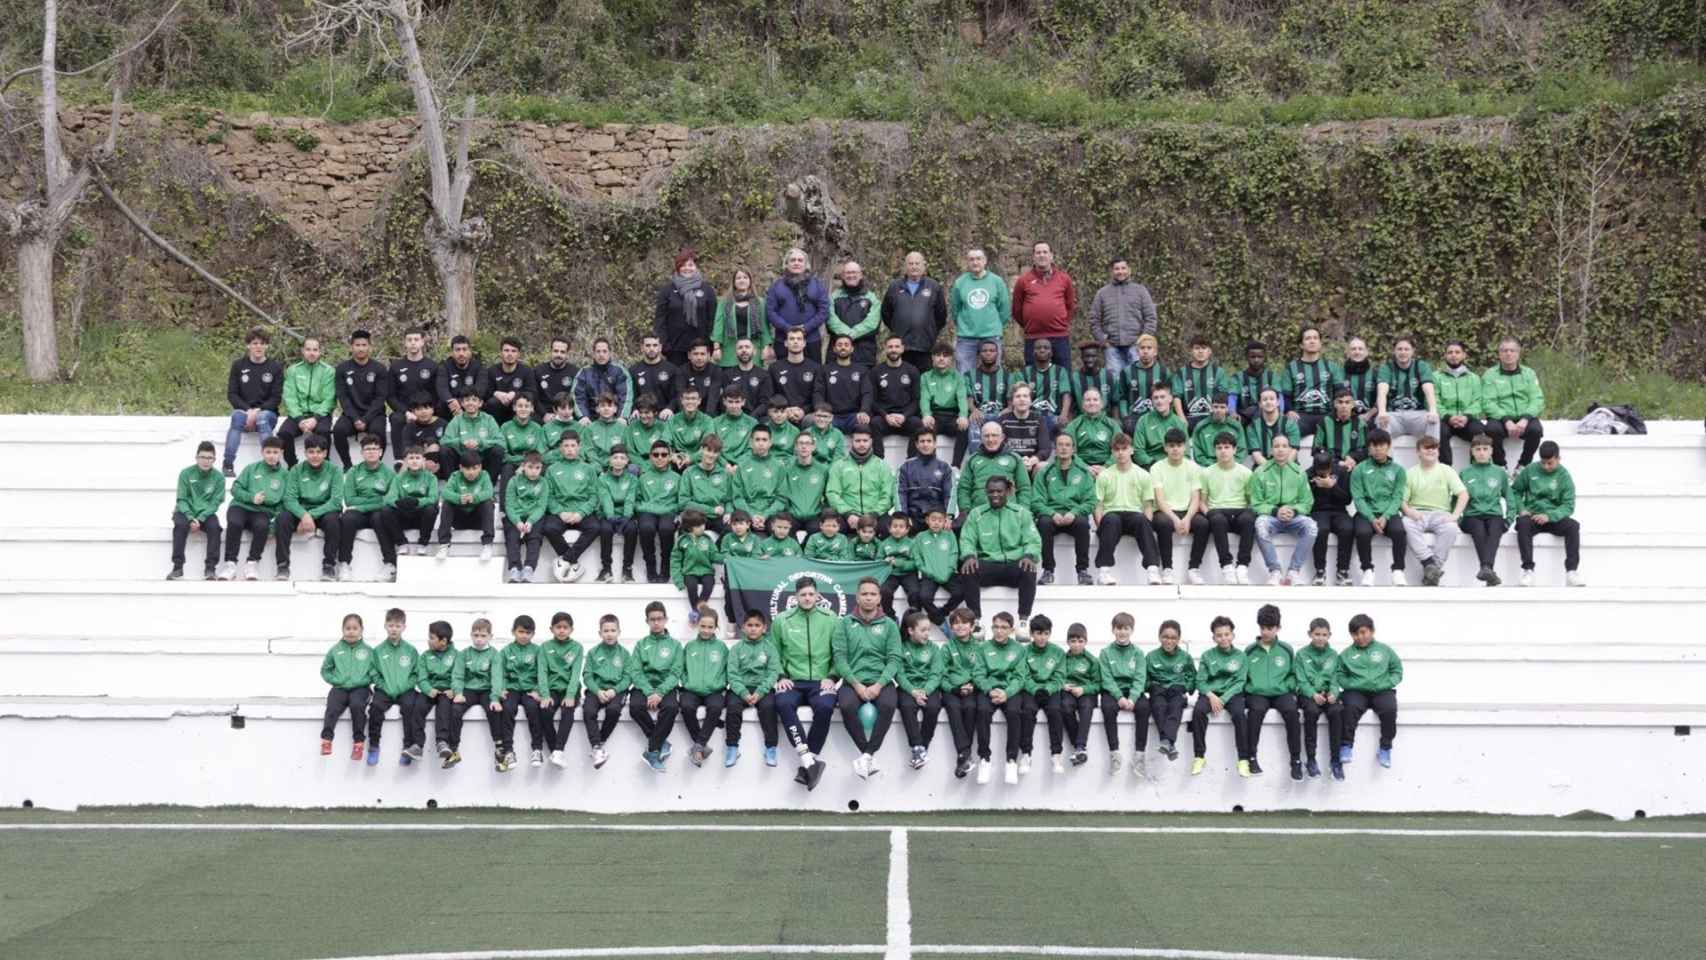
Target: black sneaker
1046	578
283	573
962	765
210	573
177	572
815	774
230	471
1080	758
1255	768
1297	770
328	571
605	577
800	776
1314	768
1431	573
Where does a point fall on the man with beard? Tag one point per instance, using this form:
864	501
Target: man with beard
797	378
798	301
459	372
748	377
1312	378
361	389
657	376
700	372
602	376
894	397
554	377
501	384
854	312
847	386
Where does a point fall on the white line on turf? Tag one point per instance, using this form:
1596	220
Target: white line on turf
900	900
872	828
1144	953
595	953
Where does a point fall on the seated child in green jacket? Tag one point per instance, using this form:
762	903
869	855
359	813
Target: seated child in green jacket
693	562
467	505
348	669
704	683
605	680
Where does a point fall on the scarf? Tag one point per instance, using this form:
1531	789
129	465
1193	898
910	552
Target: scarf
686	285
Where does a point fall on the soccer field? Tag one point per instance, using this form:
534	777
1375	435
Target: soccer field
295	886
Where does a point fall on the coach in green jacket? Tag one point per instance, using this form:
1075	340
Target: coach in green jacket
866	654
1512	401
310	391
999	546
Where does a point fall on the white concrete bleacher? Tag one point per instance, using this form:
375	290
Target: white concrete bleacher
1535	701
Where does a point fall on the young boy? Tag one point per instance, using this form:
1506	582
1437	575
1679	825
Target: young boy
758	481
687	428
618	493
754	666
1256	377
828	543
896	551
605	678
255	501
425	430
599	435
865	545
740	541
1172	676
693	562
942	401
1205	431
998	673
1198	384
654	674
1316	668
804	485
574	484
708	486
1081	681
562	418
471	689
1377	491
1492	505
1226	499
562	656
1042	694
366	487
1267	424
395	666
644	428
830	444
348	669
936	556
310	393
1272	685
734	428
1224	671
313	498
783	433
704	683
201	489
1344	435
437	666
922	665
1121	498
518	684
1369	673
1330	490
521	435
1149	433
253	389
525	499
474	432
1546	495
959	696
1434	499
655	509
467	505
1124	684
413	502
781	542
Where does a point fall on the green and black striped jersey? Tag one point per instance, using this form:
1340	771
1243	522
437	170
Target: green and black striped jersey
1249	387
1361	379
1048	387
988	390
1312	383
1342	438
1196	388
1405	384
1112	386
1140	382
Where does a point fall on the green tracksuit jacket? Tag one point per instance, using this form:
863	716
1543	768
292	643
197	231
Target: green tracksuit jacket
1122	670
200	492
1553	494
1372	669
617	495
936	556
394	667
1490	493
758	486
1273	486
778	547
605	668
598	437
957	669
1516	394
525	500
1457	393
1224	674
519	667
684	431
474	668
866	650
1072	490
1149	436
1377	489
1270	669
420	486
1167	670
820	547
1315	670
259	478
867	549
655	666
348	666
922	666
805	640
563	667
711	491
694	555
1000	666
638	438
310	390
754	667
1005	535
942	393
660	491
1042	668
861	487
831	444
518	438
434	670
365	489
980	465
704	666
736	434
782	437
897	552
457	485
1081	671
1203	437
481	428
737	546
1092	438
312	492
803	489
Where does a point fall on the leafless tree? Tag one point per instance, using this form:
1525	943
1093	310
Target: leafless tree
453	241
39	220
1584	187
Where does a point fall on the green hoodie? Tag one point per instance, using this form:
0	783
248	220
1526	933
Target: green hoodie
803	488
563	667
259	478
694	555
434	669
979	306
805	639
922	667
1273	486
972	489
480	428
310	390
1511	395
754	667
711	491
480	487
660	491
1224	674
820	547
942	393
617	495
758	486
420	486
866	486
525	500
957	670
936	556
519	667
1270	669
1538	491
1377	489
605	668
312	492
572	486
1374	669
473	670
1168	670
705	666
348	666
868	651
1314	671
1457	392
1093	438
1006	535
1000	666
200	492
1072	490
1490	493
1122	671
366	488
1043	668
518	438
655	666
394	667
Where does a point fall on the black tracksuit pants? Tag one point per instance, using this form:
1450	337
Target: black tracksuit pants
1485	533
353	700
284	532
354	521
1312	712
919	719
849	703
1220	524
938	614
1011	710
600	718
1339	524
656	533
1137	526
395	520
656	729
1078	712
559	719
240	520
1049	704
1567	528
1365	541
767	722
1385	706
1234	707
408	704
961	709
475	700
457	517
1079	531
538	734
1286	704
1167	707
699	731
1140	709
992	573
181	538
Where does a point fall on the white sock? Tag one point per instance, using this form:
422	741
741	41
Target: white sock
806	758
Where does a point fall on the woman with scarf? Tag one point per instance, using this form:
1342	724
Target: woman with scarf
798	301
740	316
685	309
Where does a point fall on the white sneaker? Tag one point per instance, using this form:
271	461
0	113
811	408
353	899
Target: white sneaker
1243	575
871	765
599	757
1168	578
1527	578
1228	576
443	552
560	569
1106	577
1024	764
1275	580
1011	777
1398	579
983	770
388	573
1059	767
1113	764
557	759
1140	766
251	571
1024	628
1573	578
862	767
485	552
1153	572
1193	576
576	571
1368	578
345	574
228	570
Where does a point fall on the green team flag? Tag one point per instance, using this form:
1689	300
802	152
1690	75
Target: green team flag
767	585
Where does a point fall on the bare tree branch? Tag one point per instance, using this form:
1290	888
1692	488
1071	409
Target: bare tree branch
47	68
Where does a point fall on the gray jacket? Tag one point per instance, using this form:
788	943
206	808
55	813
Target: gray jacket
1122	312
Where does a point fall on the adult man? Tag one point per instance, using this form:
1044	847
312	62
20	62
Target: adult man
460	371
854	311
603	375
1050	382
254	388
847	386
1459	391
745	375
978	304
894	397
554	378
1311	379
1063	498
1546	497
310	391
1000	547
1404	401
862	482
797	378
705	376
361	386
988	383
1093	373
1121	312
660	378
865	653
1434	500
1281	498
798	301
1026	430
1150	429
989	460
501	384
1141	378
685	309
1044	301
1219	421
1266	425
412	373
1257	376
1198	384
915	310
1512	401
804	634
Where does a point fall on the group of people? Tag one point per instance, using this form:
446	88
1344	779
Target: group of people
870	669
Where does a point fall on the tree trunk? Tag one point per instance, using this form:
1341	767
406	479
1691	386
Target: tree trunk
454	262
35	300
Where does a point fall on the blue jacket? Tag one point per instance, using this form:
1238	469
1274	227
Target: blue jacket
593	380
787	312
924	485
